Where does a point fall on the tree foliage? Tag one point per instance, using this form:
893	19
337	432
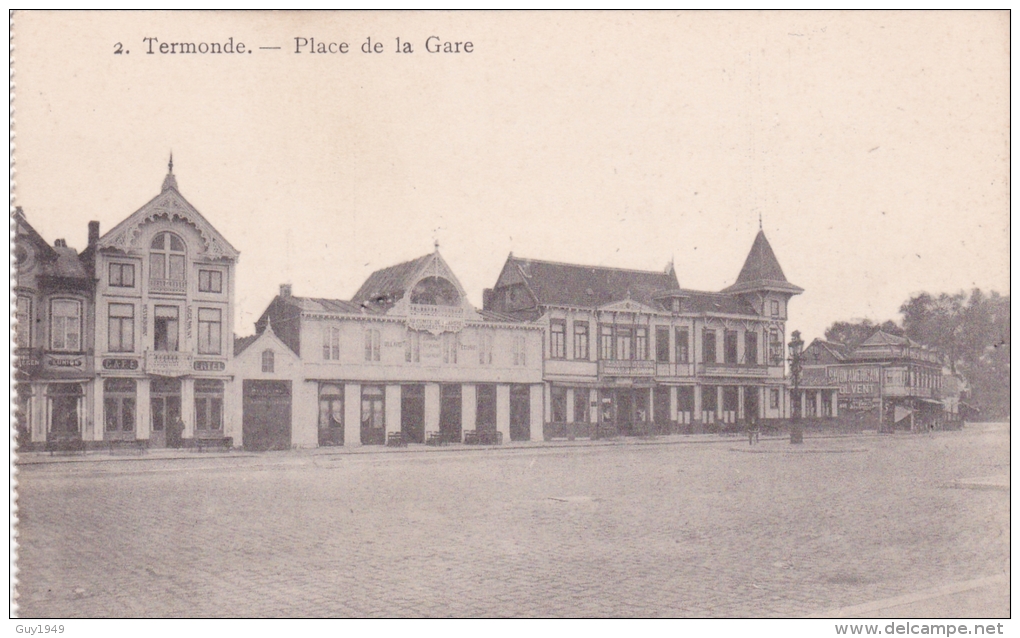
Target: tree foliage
970	330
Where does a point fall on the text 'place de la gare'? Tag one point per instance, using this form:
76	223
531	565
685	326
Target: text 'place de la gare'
129	342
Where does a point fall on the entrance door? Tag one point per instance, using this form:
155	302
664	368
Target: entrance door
625	411
661	407
266	419
450	412
412	413
64	401
751	405
520	413
165	401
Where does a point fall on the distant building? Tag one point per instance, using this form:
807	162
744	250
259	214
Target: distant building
887	382
630	351
407	356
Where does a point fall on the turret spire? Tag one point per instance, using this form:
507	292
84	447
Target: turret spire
170	181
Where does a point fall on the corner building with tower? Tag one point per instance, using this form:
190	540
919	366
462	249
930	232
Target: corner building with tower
631	352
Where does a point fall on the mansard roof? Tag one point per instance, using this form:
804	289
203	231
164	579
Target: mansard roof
716	302
389	284
169	204
762	270
558	284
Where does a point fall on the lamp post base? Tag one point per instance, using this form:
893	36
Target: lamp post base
796	434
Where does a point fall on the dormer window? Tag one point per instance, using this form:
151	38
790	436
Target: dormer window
167	263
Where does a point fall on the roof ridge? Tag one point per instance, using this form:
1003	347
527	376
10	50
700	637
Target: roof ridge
563	263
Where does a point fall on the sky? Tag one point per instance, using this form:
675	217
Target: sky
873	147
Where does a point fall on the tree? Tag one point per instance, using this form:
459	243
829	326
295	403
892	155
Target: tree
854	333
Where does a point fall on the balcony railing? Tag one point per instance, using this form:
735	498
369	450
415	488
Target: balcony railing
626	368
172	286
674	369
733	370
168	364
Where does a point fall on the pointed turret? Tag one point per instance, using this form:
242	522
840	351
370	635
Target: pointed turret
762	271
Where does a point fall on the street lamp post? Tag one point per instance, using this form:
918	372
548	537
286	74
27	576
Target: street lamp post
796	349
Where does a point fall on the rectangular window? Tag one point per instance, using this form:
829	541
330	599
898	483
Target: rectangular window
119	405
606	342
641	343
330	343
581	408
775	348
730	346
208	404
485	339
412	347
268	361
520	350
157	266
177	267
210	331
122	275
558	339
210	281
65	325
24	322
751	347
581	340
451	344
623	343
662	344
774	399
775	308
372	344
683	346
121	327
708	346
166	329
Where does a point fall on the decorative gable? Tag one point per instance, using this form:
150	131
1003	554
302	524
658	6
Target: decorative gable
129	236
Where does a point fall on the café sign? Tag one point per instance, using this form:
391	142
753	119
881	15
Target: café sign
435	319
855	381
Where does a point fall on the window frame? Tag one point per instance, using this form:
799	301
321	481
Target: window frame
206	397
206	344
119	398
705	332
581	340
177	325
120	321
683	345
751	347
607	341
372	345
207	286
120	267
557	339
731	356
66	324
662	344
268	361
23	335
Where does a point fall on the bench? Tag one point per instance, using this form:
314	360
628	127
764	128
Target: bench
483	437
139	446
67	443
396	439
224	443
436	439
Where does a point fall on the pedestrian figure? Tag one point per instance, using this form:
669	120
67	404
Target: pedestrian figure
752	431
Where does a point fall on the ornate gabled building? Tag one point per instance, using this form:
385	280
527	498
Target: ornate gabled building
165	281
407	357
632	351
53	337
887	382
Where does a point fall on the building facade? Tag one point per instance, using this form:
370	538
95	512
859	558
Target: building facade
54	338
408	356
164	290
631	352
887	382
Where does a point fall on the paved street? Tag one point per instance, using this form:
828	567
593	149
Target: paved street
685	529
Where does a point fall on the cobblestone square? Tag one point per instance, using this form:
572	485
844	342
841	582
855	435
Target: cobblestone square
673	528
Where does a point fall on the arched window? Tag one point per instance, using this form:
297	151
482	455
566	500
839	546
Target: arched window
435	291
167	262
268	361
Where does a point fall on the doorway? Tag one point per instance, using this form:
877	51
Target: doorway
165	404
412	413
266	415
520	412
450	412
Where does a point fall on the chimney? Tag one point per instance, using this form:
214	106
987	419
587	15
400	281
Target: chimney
93	233
60	243
285	290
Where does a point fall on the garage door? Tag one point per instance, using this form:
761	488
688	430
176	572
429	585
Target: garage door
266	415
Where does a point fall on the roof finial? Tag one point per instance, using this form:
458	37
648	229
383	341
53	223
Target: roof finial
759	221
171	164
436	243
